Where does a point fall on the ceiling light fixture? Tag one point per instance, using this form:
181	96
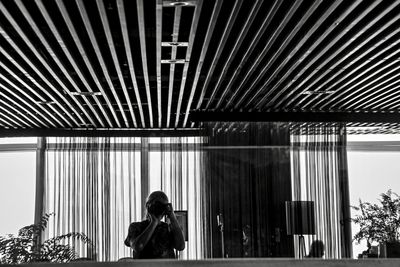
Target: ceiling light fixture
86	93
45	102
174	44
173	61
178	3
317	92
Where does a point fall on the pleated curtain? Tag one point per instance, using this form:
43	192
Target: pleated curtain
319	174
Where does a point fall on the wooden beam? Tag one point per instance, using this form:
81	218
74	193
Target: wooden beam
367	117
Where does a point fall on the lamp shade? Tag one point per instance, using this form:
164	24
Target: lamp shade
300	218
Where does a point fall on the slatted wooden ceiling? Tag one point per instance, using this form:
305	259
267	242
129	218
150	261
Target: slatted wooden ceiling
149	63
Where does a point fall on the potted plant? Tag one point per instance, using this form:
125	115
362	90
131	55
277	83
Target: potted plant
380	223
22	248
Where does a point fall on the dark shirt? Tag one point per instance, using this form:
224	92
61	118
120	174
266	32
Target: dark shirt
160	244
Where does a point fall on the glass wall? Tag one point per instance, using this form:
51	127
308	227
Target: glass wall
17	183
234	188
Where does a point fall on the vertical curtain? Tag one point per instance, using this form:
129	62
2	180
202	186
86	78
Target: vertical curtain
92	185
179	175
248	177
95	186
319	174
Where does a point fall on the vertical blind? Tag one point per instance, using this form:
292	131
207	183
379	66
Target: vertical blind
95	186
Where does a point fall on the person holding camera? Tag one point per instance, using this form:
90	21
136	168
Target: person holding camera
153	238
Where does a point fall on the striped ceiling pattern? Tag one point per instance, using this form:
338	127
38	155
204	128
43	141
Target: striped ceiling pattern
149	63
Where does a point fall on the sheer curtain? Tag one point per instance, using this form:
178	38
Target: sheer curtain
97	186
92	185
248	173
176	169
319	174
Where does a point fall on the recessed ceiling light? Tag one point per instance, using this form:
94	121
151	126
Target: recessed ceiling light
86	93
178	3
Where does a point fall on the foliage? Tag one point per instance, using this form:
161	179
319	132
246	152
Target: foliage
379	222
22	248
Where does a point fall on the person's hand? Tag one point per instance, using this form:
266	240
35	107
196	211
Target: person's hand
170	211
155	219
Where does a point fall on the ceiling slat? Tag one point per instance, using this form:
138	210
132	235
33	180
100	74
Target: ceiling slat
71	60
242	36
175	33
249	89
204	49
128	51
328	75
5	121
316	26
227	29
27	112
379	101
142	37
267	20
89	66
192	35
360	101
13	112
287	40
93	40
379	74
107	30
30	89
310	65
159	18
28	42
57	60
34	111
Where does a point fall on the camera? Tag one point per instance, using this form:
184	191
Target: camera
159	208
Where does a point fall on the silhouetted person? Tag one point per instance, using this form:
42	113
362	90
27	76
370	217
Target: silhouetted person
152	238
317	249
